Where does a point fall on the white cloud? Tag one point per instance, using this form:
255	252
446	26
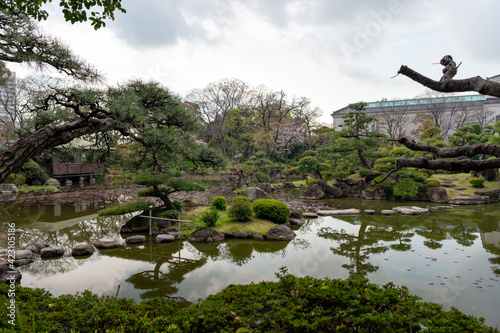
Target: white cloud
298	46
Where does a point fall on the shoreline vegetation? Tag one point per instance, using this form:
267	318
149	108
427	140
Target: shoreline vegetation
291	304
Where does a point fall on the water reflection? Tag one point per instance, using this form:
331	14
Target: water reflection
461	245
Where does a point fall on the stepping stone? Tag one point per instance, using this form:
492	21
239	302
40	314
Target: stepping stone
136	239
23	257
411	210
351	211
164	238
107	243
35	247
309	215
388	212
82	250
369	211
52	252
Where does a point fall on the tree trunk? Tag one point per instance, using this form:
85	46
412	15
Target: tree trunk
164	197
30	146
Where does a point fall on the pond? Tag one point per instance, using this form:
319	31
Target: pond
449	256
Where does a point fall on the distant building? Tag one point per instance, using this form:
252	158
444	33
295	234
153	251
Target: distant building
397	118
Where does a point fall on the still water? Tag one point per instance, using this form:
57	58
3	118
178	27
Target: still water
449	256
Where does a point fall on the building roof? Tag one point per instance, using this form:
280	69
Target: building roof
418	103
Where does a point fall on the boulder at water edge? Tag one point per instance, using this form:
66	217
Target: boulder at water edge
35	247
107	243
52	252
205	234
469	200
437	194
280	233
82	250
296	219
136	239
23	257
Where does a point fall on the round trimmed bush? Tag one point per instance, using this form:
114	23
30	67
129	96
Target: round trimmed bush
210	217
240	198
477	182
170	214
240	210
272	210
219	203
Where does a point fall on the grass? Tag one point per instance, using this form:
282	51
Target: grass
37	188
463	182
227	224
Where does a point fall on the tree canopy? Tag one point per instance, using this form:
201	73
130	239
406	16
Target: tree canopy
96	11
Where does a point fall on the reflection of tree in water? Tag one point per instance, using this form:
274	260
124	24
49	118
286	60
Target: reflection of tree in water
51	267
462	232
434	231
357	248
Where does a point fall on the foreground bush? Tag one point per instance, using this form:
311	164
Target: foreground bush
240	210
290	305
126	208
477	182
272	210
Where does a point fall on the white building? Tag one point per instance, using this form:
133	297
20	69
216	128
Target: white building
397	118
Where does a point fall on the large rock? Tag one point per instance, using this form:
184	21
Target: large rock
296	219
256	193
135	239
7	274
437	194
289	185
23	257
52	182
379	194
490	175
309	215
469	200
334	192
141	224
494	195
388	212
242	234
82	250
52	252
258	236
11	188
107	243
35	247
411	210
350	211
205	234
314	192
280	233
164	238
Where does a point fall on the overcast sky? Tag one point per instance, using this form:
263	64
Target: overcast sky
334	52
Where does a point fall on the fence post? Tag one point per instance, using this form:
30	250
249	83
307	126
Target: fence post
150	233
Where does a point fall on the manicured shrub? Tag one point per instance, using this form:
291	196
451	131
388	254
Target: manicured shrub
210	217
16	179
272	210
363	172
240	210
477	182
219	203
170	214
432	183
311	181
178	205
32	171
405	188
262	177
240	198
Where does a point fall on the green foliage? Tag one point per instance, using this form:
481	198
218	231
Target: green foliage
16	179
291	304
262	177
126	208
311	181
405	188
240	198
363	172
210	217
219	203
241	209
400	151
170	214
432	183
178	205
385	164
477	182
32	171
340	175
272	210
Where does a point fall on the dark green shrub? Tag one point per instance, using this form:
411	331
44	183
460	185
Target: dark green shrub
32	171
219	203
210	217
432	183
405	188
16	179
178	205
262	177
170	214
363	172
426	172
240	198
240	210
477	182
272	210
340	175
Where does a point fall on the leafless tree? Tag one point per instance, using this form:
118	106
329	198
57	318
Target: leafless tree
394	117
